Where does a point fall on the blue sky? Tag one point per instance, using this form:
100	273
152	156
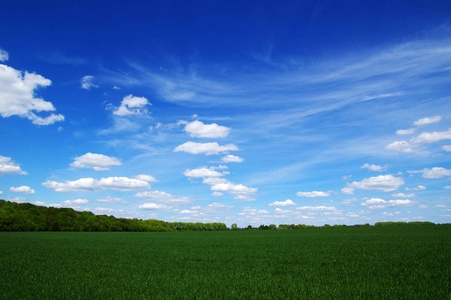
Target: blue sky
264	112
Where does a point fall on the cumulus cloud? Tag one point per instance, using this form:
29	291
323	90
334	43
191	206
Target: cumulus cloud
234	189
418	188
187	211
317	208
163	197
132	105
147	178
75	202
314	194
217	194
205	148
244	198
423	138
109	199
22	189
349	190
427	121
214	180
151	205
98	162
201	130
91	184
232	159
432	137
386	183
7	166
287	202
406	131
436	172
17	96
87	82
375	168
447	148
202	172
402	195
400	146
4	56
377	203
16	199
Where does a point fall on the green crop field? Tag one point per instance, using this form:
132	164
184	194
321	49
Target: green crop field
405	262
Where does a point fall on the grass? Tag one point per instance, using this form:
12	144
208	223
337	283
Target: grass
411	262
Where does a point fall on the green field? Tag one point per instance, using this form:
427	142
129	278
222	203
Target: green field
405	262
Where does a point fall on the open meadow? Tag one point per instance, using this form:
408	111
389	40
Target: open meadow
405	262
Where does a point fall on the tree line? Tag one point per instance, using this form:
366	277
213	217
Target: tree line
29	217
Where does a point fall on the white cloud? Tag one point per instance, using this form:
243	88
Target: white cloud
87	82
432	137
4	56
347	190
423	138
386	183
447	148
109	199
217	205
287	202
214	180
377	203
7	166
201	130
233	188
105	210
163	197
16	199
151	205
375	168
406	131
427	121
75	202
17	96
402	195
232	159
436	172
147	178
400	146
91	184
352	215
187	211
314	194
205	148
45	121
131	105
98	162
418	188
22	189
317	208
202	172
217	194
244	198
